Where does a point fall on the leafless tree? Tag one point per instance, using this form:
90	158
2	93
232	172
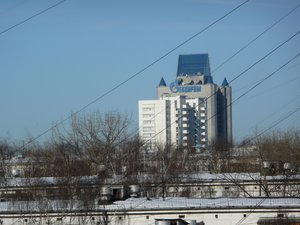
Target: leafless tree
220	156
4	151
97	138
170	164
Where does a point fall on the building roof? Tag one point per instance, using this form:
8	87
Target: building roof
162	83
204	203
225	82
193	65
169	203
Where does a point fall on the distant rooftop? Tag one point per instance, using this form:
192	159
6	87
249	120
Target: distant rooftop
193	65
169	203
204	203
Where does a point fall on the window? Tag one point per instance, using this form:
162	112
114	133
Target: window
181	216
147	115
147	109
216	216
148	121
145	129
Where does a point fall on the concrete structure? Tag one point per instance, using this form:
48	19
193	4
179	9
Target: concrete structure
192	110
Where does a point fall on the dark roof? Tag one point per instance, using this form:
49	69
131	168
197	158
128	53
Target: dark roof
162	83
225	83
193	64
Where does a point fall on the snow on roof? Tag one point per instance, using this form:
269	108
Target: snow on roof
188	203
133	204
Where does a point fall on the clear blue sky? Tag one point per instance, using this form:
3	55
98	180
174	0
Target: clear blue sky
58	62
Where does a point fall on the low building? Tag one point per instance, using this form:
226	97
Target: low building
218	211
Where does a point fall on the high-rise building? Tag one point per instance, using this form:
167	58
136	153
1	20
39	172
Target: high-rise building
192	110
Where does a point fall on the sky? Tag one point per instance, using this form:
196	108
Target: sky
65	58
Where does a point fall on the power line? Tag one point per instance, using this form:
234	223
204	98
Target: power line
271	52
31	17
288	115
135	74
267	77
274	113
253	40
281	120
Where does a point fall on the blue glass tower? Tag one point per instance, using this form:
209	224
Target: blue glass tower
193	65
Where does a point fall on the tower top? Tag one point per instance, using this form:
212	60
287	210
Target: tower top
193	65
225	82
162	83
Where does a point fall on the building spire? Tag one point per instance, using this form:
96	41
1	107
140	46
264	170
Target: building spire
162	83
225	83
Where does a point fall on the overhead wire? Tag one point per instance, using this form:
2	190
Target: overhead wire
285	117
260	82
31	17
264	57
254	39
275	112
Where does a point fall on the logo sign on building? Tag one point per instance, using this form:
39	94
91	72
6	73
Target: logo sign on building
175	88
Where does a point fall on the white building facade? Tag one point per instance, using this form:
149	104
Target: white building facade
191	111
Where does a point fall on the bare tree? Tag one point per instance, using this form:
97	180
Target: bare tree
4	152
96	138
169	166
220	156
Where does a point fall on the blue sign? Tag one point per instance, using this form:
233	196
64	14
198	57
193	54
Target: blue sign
174	87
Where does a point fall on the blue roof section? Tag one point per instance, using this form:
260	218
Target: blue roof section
193	64
225	82
162	83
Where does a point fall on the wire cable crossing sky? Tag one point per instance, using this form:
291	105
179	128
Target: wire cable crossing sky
31	17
